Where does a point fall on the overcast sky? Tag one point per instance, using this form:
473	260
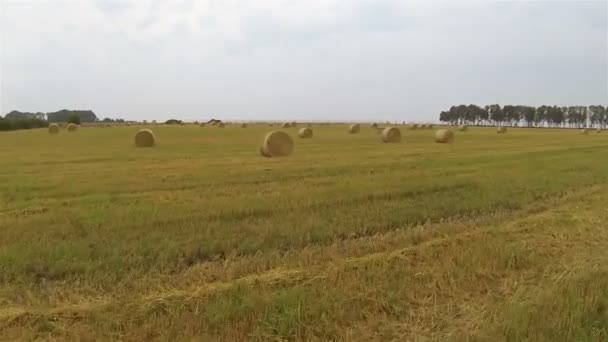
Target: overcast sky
298	59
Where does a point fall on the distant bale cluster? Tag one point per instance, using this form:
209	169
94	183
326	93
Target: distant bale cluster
145	138
391	135
277	144
444	136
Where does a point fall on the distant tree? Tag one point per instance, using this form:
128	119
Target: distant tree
74	118
64	114
173	122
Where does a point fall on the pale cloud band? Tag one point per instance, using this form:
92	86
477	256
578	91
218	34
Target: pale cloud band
302	60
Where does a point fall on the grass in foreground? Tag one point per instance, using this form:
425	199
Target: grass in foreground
493	237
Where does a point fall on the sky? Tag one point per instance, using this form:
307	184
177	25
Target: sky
306	60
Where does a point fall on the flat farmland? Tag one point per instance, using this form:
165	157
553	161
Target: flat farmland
492	237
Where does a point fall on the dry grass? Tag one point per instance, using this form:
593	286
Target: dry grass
200	239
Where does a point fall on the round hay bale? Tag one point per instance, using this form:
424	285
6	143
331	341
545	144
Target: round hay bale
354	129
501	130
72	127
413	126
305	132
286	125
294	124
584	131
128	124
374	125
444	136
221	125
243	125
391	135
145	138
54	128
277	144
463	128
599	130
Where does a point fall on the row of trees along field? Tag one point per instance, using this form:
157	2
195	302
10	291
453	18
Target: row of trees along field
528	116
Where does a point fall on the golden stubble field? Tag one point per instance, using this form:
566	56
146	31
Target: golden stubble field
493	237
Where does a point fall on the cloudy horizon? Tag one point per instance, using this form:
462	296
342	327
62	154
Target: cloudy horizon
334	60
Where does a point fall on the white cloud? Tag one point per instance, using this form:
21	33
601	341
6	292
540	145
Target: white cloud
342	59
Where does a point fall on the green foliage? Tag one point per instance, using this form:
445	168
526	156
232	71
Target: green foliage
74	118
7	124
64	115
552	116
173	122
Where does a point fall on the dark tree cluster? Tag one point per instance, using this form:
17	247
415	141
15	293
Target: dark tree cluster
12	124
65	115
516	115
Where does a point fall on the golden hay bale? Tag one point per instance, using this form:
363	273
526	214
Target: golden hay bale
444	136
221	125
501	130
584	131
599	130
463	128
145	138
413	126
354	128
305	132
391	135
286	125
374	125
244	125
72	127
54	128
263	154
277	144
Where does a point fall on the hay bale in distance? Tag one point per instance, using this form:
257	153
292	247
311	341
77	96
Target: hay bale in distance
72	127
54	128
463	128
599	130
244	125
294	124
584	131
286	125
277	144
305	132
374	125
145	138
202	124
429	126
354	129
501	130
413	126
391	135
444	136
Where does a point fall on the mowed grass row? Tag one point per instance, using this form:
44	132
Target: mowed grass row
88	215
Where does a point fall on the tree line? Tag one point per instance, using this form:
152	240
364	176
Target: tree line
528	116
